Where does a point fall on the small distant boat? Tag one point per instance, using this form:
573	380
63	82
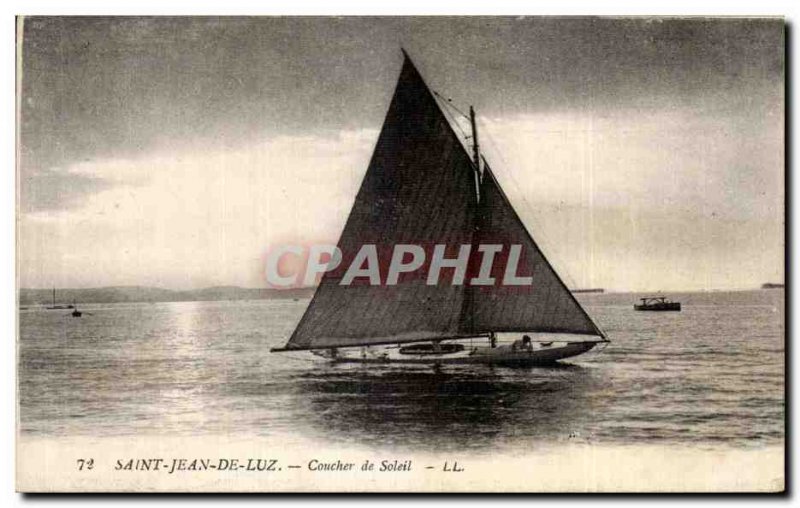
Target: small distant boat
657	303
78	313
58	307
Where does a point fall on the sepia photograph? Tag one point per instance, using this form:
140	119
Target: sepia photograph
439	254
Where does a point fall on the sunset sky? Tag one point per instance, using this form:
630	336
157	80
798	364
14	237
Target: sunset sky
173	152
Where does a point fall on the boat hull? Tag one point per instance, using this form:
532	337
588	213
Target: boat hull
502	355
673	306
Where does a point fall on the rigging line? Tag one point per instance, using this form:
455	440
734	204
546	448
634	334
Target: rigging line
560	271
547	259
454	123
450	104
475	165
540	234
531	210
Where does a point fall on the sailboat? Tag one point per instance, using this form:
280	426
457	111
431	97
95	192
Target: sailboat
58	307
423	187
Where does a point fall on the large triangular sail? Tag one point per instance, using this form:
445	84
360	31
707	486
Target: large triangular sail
543	305
419	189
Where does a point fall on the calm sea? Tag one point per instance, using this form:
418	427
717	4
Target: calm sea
712	374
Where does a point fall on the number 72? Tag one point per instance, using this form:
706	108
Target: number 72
85	464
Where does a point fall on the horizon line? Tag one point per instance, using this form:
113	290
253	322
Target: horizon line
233	286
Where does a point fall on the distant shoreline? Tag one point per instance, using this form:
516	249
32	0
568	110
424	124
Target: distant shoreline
137	294
126	294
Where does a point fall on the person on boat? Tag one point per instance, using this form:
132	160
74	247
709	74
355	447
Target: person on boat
522	345
493	340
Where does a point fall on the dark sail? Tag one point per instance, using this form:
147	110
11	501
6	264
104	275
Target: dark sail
419	189
545	305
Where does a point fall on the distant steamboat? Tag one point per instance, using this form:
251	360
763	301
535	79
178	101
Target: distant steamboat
657	303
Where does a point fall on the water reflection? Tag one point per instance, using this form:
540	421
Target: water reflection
179	369
444	408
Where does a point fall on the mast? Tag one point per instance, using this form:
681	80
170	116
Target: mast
54	296
468	307
476	152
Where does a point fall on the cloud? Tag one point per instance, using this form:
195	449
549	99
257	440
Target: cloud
195	217
103	87
677	159
663	199
55	189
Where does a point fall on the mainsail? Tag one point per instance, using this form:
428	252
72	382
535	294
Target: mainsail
416	191
420	189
